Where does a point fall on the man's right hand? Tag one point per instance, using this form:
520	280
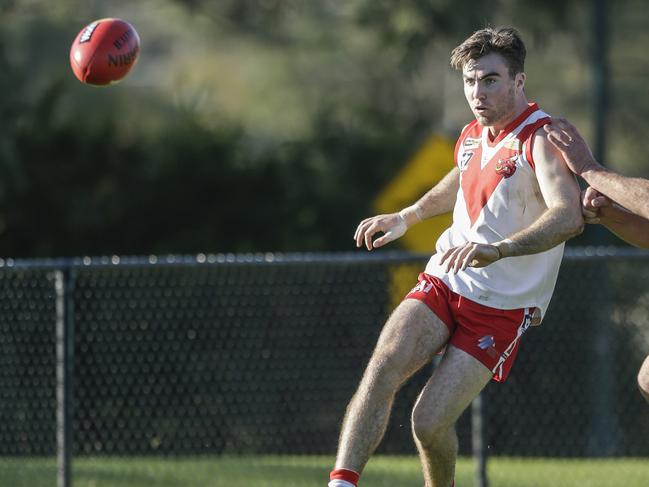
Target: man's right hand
592	202
392	225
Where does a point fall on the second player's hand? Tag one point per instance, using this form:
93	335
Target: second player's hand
392	225
592	202
565	137
470	254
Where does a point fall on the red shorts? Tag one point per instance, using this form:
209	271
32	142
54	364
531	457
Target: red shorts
490	335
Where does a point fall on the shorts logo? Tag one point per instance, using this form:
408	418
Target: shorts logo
506	167
422	287
488	343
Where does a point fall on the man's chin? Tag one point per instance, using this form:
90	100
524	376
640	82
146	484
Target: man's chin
482	120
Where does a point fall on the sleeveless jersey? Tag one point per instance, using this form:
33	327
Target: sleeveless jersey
499	195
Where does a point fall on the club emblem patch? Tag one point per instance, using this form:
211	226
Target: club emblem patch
506	167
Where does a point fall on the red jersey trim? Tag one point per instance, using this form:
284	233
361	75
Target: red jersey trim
527	138
460	140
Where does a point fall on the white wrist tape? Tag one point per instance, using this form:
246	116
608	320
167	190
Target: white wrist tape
411	210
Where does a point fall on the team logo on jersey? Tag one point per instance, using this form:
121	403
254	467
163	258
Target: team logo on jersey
513	144
506	167
464	160
471	143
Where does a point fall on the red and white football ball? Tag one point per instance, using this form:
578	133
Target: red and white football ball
104	51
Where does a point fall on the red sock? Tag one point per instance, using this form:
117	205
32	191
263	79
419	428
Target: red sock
344	474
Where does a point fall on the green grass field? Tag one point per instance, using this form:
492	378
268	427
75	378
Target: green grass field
283	471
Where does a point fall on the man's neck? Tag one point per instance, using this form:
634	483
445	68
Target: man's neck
520	106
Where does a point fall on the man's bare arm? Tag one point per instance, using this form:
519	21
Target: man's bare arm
439	200
631	193
561	221
628	226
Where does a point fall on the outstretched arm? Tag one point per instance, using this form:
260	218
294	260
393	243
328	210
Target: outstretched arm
561	220
631	193
440	199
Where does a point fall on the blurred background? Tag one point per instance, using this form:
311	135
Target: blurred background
270	125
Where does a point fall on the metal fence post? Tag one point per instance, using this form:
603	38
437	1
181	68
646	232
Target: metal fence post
64	285
478	443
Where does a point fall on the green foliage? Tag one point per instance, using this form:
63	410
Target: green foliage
182	188
247	125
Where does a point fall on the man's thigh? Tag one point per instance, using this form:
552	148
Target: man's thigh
410	338
455	382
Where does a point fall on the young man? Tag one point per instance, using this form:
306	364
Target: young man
619	203
514	203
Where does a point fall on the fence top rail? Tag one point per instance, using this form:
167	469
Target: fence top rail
269	258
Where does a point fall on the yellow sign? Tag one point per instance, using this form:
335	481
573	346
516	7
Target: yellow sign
430	164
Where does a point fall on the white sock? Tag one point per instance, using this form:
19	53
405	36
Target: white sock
340	483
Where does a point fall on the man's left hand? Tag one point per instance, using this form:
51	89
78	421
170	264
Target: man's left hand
470	254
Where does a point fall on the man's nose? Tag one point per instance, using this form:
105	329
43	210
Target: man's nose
478	92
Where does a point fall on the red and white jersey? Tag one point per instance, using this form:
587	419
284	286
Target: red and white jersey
499	195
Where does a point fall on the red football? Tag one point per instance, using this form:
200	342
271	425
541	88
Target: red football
104	51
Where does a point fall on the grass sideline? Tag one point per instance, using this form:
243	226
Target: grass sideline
310	471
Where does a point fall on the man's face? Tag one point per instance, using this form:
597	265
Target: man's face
490	91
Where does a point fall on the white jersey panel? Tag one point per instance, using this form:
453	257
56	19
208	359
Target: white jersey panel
511	201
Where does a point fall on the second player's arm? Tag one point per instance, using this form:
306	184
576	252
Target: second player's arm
628	226
631	193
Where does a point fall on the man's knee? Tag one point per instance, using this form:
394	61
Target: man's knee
429	428
407	342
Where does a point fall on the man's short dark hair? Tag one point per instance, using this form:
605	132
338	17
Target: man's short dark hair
505	41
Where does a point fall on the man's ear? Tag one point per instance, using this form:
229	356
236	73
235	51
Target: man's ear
519	81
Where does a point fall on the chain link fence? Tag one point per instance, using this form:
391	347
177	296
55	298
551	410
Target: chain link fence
259	354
